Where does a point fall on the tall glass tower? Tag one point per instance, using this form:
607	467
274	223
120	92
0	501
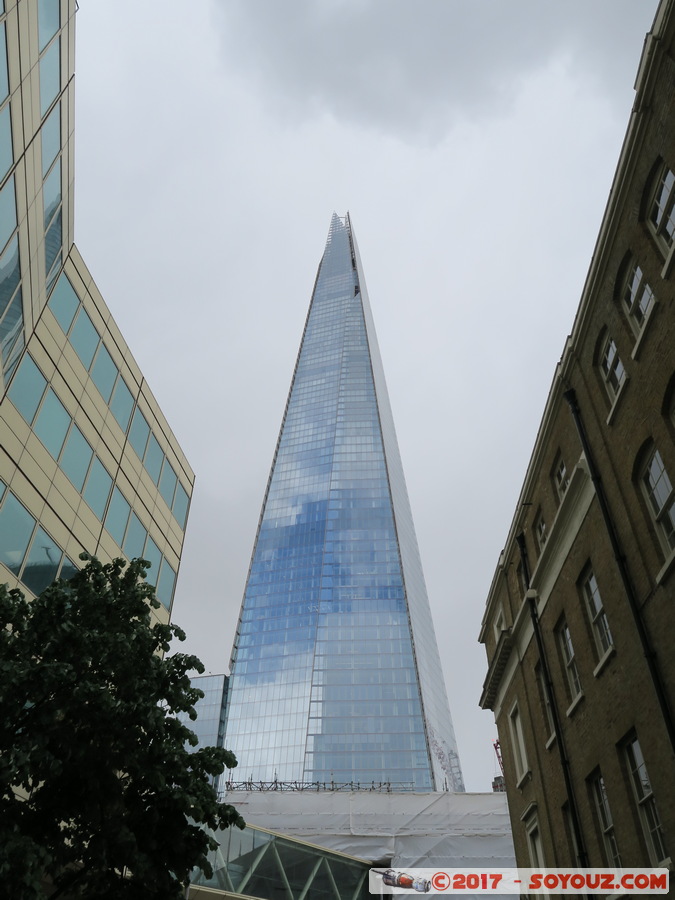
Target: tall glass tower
336	676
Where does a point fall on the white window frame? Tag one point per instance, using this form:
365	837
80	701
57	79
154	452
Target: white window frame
605	821
561	479
596	614
540	533
518	743
658	490
569	660
662	208
646	803
534	844
548	713
612	369
638	297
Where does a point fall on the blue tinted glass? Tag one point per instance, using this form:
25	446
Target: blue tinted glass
42	564
52	423
51	192
167	483
180	505
68	569
154	557
138	435
11	336
55	269
16	527
27	388
50	76
153	458
7	212
98	487
6	152
10	273
134	541
76	457
122	403
3	486
48	21
4	84
84	338
104	372
117	517
51	138
63	303
165	584
53	241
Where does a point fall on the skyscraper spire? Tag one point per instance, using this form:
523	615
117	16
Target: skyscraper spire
335	667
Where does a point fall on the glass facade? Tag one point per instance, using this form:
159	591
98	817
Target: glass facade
335	668
258	863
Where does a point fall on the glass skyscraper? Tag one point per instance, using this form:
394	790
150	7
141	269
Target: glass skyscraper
335	672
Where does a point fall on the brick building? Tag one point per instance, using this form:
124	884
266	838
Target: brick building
579	621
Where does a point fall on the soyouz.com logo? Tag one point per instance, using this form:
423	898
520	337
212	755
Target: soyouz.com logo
518	881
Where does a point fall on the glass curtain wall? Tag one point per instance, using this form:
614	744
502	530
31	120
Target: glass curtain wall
325	683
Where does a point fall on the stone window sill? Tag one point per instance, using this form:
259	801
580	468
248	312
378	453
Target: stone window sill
666	568
573	705
605	658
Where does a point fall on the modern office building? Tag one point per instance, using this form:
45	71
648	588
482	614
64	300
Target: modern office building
87	460
578	626
335	672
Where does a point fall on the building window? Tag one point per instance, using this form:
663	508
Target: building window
518	743
646	803
560	477
613	371
596	614
662	211
499	624
534	844
638	298
545	704
540	533
605	821
569	660
659	492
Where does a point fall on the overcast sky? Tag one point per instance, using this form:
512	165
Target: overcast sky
472	141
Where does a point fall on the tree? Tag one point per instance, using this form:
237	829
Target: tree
99	794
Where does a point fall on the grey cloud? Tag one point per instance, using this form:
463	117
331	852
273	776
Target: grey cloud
414	69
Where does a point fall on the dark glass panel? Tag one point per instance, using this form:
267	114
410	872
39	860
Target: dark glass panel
51	138
166	584
167	483
154	557
138	434
84	338
50	76
27	388
16	527
104	372
180	505
42	564
10	274
97	491
122	403
134	541
53	238
7	212
52	423
153	458
6	151
76	457
48	20
64	303
117	516
51	192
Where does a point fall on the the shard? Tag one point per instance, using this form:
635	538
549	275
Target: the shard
336	677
